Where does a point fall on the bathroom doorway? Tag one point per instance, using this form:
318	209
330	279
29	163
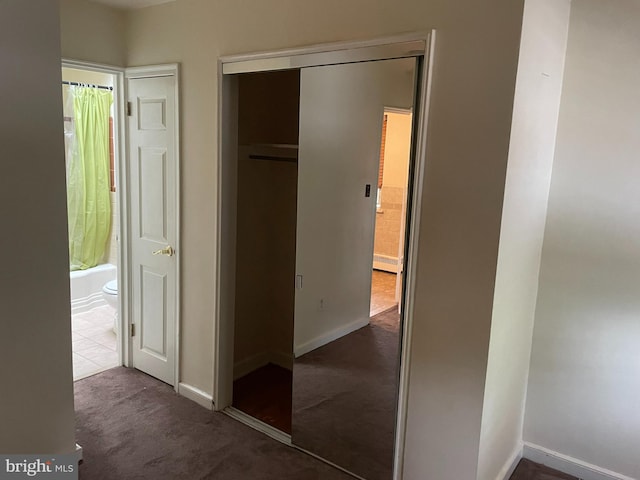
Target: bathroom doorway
391	211
123	126
91	160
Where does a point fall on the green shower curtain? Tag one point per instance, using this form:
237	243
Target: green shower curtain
88	202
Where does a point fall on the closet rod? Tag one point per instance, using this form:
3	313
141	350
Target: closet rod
76	84
273	158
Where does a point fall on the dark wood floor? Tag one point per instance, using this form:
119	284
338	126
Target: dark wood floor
528	470
265	394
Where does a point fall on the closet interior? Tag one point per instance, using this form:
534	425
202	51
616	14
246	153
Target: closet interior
266	239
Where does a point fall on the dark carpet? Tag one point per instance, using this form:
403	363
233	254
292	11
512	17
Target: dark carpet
528	470
345	397
134	427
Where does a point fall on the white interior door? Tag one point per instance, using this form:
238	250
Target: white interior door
153	181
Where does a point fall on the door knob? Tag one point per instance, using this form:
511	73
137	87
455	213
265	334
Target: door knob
168	251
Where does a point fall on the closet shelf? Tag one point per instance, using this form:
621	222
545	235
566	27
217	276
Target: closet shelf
278	152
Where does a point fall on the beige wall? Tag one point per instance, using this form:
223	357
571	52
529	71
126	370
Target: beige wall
86	76
584	394
533	134
397	150
394	184
36	403
92	32
474	79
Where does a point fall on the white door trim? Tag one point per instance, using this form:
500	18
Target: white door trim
419	142
151	71
399	46
223	341
124	357
403	217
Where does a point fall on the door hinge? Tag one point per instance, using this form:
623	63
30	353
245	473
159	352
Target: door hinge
128	109
133	330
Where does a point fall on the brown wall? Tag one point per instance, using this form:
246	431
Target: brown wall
266	220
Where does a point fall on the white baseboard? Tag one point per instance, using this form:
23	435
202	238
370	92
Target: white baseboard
385	267
385	263
329	337
194	394
78	453
569	465
248	365
512	463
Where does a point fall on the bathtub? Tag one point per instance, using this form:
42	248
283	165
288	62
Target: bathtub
86	286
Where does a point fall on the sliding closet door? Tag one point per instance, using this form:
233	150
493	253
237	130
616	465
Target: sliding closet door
344	383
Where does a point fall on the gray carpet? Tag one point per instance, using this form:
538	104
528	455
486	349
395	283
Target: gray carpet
528	470
132	426
345	398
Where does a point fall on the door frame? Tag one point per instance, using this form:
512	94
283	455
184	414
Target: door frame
121	75
403	218
153	71
316	55
124	357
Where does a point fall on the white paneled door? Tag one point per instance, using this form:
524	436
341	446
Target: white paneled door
153	186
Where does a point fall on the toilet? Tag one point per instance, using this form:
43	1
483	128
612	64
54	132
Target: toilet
110	295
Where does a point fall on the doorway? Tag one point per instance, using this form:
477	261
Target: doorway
391	211
340	121
91	158
135	295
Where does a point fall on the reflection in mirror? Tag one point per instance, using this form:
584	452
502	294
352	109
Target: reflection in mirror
345	398
346	340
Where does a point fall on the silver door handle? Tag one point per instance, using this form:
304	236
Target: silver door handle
168	251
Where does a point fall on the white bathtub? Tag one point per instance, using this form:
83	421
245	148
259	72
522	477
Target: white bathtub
86	287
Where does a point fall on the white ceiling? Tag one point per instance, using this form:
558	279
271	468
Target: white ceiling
131	4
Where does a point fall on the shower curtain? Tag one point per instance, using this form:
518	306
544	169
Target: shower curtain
88	202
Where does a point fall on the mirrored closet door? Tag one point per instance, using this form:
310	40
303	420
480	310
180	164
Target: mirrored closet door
346	367
317	176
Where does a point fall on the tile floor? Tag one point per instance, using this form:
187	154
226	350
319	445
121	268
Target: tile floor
94	341
383	292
